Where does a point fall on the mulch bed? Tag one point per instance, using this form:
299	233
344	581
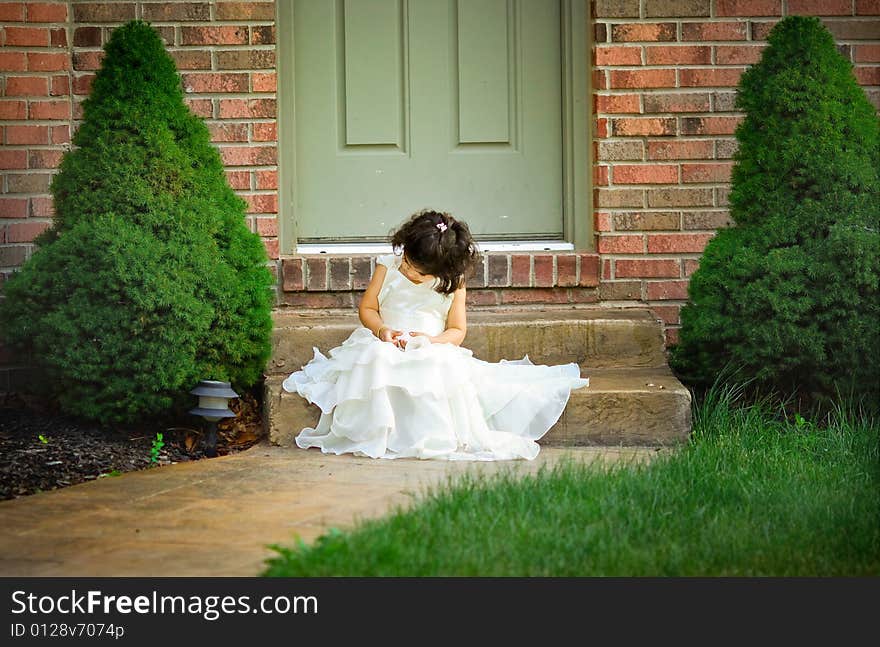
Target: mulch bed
43	449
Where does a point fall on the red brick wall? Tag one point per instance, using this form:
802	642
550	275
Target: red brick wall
500	279
664	80
225	52
35	109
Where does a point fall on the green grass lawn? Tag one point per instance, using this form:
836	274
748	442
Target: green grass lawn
750	494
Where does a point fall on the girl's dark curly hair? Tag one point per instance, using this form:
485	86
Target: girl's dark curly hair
438	244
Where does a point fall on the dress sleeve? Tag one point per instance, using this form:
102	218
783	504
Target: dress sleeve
388	260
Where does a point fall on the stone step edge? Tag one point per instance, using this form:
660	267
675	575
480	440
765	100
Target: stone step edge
650	379
493	316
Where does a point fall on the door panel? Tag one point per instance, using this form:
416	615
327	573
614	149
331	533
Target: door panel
486	71
402	104
371	49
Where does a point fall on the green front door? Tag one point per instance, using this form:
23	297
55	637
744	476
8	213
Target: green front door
404	104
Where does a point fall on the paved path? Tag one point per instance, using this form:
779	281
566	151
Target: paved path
215	517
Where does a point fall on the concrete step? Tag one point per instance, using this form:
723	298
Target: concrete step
621	406
592	337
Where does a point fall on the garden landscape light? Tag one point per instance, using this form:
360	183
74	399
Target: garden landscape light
213	400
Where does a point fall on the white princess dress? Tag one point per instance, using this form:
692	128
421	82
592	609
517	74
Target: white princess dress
429	400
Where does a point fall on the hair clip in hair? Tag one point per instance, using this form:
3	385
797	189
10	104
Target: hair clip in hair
441	226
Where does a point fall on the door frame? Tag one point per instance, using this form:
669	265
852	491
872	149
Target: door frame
577	200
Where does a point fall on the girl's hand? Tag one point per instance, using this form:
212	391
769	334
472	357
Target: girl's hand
413	333
389	334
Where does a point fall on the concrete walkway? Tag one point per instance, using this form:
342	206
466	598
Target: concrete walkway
215	517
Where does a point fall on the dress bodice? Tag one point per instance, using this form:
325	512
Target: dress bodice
411	306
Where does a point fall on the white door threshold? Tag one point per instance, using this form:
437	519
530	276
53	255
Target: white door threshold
484	246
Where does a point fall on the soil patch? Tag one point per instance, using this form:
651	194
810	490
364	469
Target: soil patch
42	449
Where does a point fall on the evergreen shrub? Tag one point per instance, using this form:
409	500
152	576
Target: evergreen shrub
149	279
788	295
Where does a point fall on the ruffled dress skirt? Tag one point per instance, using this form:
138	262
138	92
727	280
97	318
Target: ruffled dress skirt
429	401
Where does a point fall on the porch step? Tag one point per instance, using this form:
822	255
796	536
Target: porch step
633	397
621	406
592	337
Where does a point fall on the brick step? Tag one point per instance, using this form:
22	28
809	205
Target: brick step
621	406
592	337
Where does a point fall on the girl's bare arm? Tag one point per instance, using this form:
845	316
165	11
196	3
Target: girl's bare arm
368	308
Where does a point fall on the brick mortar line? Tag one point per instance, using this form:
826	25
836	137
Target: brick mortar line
633	44
667	162
24	221
247	70
649	20
264	167
657	232
630	115
261	47
655	210
683	90
675	44
663	138
216	95
256	144
659	67
667	185
656	256
665	115
670	44
230	47
33	122
37	49
668	256
207	22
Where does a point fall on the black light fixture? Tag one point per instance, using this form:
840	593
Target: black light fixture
213	405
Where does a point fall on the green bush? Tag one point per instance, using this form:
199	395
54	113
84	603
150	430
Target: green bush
789	294
149	279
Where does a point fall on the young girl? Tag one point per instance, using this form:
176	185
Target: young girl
402	386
